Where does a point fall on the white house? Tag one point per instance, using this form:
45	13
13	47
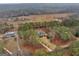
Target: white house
9	34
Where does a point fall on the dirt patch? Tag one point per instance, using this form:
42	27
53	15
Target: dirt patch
31	48
60	42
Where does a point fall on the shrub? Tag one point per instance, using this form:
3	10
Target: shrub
77	34
41	52
1	47
24	27
74	48
54	24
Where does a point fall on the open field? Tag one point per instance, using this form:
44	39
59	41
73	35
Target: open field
38	18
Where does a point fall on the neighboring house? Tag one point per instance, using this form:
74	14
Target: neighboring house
9	34
41	33
59	20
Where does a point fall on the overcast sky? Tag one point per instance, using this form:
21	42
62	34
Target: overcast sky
39	1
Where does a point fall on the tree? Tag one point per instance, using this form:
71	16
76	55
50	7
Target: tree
63	32
54	24
71	22
24	27
5	27
30	36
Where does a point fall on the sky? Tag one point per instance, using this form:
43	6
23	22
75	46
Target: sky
39	1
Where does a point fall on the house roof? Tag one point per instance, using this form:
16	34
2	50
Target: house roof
9	34
41	33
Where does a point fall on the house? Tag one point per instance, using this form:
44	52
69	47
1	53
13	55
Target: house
41	33
59	20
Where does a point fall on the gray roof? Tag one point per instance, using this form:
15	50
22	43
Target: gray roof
10	34
40	33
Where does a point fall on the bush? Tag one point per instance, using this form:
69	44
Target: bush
41	52
24	27
5	27
77	34
1	47
56	54
54	24
74	48
75	31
